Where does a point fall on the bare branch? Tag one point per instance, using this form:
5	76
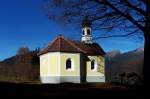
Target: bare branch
135	7
126	15
112	36
105	15
144	1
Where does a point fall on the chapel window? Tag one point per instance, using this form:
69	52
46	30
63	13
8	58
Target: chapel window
68	64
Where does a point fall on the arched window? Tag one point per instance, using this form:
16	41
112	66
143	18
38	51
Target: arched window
92	65
88	32
83	32
68	64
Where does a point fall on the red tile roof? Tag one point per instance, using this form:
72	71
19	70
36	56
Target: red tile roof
60	44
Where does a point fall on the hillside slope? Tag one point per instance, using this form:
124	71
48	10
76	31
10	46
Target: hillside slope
20	68
129	62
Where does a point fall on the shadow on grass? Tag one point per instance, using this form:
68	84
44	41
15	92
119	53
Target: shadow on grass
69	89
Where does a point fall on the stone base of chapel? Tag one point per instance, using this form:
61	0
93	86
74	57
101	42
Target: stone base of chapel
70	79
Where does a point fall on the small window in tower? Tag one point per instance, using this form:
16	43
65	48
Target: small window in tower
88	32
68	64
83	32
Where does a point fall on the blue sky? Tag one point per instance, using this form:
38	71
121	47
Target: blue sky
22	23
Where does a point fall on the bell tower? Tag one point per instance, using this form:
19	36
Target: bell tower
86	31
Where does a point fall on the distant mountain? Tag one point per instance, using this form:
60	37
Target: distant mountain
113	53
140	49
129	62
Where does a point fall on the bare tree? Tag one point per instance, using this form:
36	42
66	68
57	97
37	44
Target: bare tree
23	50
130	16
22	62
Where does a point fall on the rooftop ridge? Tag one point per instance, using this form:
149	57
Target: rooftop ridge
61	44
70	41
60	36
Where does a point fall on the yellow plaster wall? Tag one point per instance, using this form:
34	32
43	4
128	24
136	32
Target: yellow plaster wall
49	64
44	64
76	64
54	64
100	66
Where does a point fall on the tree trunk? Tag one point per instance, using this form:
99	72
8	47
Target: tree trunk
146	68
146	72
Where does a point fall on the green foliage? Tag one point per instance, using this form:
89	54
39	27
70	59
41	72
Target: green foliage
100	63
